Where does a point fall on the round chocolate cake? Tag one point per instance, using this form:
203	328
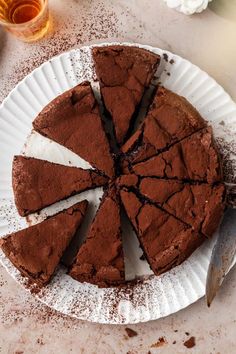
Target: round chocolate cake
166	175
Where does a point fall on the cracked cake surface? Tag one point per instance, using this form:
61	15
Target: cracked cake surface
124	73
37	250
194	158
73	120
167	175
38	183
100	259
165	240
199	206
170	119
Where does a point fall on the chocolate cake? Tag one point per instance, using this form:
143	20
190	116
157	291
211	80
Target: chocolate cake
200	206
170	119
165	240
38	183
37	251
124	73
167	176
195	158
73	120
100	259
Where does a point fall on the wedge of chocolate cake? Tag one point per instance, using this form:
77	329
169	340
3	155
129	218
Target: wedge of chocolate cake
73	120
37	250
170	119
100	259
124	73
38	183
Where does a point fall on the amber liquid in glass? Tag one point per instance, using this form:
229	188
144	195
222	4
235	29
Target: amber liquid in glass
31	16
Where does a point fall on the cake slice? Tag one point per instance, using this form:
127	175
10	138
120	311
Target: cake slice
170	119
124	73
73	120
38	183
200	206
195	158
37	251
100	259
165	240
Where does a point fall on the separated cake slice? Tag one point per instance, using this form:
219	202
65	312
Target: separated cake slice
201	206
165	240
170	119
195	158
124	73
38	183
73	120
100	259
37	251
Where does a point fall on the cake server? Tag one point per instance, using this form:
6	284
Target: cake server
225	248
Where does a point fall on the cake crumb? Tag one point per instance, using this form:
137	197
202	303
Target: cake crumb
172	61
142	258
165	56
187	333
190	343
174	342
222	123
161	341
130	332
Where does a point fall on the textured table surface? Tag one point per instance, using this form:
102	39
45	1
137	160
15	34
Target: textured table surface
207	40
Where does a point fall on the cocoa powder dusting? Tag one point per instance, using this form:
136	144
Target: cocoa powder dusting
67	32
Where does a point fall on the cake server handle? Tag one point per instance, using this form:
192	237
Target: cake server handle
222	255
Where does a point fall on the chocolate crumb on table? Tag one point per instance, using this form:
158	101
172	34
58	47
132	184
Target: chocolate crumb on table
130	332
161	341
172	61
174	342
187	333
190	343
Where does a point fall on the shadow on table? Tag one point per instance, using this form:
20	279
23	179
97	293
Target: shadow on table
224	8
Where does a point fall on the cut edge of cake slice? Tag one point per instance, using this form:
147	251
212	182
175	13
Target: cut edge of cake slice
170	119
100	260
124	73
165	240
39	183
37	250
73	120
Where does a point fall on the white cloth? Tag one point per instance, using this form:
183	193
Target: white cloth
188	7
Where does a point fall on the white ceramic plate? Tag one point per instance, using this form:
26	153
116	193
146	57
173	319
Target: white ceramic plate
153	297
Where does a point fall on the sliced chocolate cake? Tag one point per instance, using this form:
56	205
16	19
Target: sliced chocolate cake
38	183
195	158
170	119
73	120
200	206
165	240
100	259
36	251
124	73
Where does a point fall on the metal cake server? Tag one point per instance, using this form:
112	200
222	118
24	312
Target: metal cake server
225	248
